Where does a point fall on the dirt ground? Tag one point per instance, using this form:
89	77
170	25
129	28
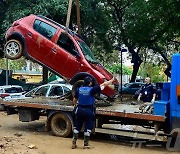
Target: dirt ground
30	138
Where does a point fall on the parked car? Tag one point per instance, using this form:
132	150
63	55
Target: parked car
48	90
11	91
64	53
29	86
131	88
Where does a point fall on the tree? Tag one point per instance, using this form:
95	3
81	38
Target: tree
116	69
13	65
139	24
143	24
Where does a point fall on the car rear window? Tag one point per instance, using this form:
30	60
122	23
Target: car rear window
14	90
56	91
44	29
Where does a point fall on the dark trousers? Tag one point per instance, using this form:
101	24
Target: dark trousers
84	115
147	98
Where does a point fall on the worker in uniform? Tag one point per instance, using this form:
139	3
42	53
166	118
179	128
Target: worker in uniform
84	109
148	95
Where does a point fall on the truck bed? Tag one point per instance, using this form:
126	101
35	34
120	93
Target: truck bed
117	110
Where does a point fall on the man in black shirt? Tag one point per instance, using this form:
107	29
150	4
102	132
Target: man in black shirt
147	93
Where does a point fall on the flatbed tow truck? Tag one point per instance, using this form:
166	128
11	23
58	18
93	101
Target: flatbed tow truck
164	121
60	119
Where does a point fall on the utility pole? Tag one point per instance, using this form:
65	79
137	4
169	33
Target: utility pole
7	71
78	16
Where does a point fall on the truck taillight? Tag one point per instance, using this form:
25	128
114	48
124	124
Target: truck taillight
4	95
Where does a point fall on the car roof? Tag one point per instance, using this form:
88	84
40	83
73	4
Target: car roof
10	86
56	84
57	24
51	84
72	33
135	83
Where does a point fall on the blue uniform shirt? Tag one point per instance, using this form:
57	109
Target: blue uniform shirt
85	95
147	92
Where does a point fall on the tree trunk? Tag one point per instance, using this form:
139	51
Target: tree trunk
135	71
137	62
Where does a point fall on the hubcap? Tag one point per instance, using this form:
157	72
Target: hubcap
12	49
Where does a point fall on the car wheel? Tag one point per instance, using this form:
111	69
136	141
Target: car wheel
61	125
13	49
76	85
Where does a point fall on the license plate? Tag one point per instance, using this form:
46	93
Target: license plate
14	96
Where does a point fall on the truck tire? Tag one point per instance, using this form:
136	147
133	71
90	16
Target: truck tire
76	85
61	125
13	49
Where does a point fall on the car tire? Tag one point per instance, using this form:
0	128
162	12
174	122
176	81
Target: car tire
13	49
61	125
76	85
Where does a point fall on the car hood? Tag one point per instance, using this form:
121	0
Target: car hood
103	71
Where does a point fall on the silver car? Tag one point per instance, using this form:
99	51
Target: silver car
11	91
48	90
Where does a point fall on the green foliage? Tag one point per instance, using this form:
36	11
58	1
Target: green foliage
156	72
13	64
136	23
116	69
17	9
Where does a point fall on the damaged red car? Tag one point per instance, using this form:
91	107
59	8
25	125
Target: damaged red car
46	42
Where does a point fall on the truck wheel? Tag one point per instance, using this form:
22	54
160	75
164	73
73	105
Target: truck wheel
61	125
76	85
13	49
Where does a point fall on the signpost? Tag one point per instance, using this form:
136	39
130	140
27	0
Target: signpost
121	50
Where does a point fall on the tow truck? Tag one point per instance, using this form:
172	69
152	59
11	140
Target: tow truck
164	121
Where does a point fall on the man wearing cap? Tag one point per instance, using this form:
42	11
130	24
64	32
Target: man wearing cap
84	111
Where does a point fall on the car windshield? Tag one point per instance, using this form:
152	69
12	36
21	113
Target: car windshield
30	93
87	52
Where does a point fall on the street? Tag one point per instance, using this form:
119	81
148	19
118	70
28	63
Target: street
30	138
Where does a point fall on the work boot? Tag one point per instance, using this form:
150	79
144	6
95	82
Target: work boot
86	142
75	137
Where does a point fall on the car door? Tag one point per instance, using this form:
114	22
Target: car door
66	61
39	41
134	88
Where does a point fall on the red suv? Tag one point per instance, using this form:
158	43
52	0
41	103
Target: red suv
64	53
